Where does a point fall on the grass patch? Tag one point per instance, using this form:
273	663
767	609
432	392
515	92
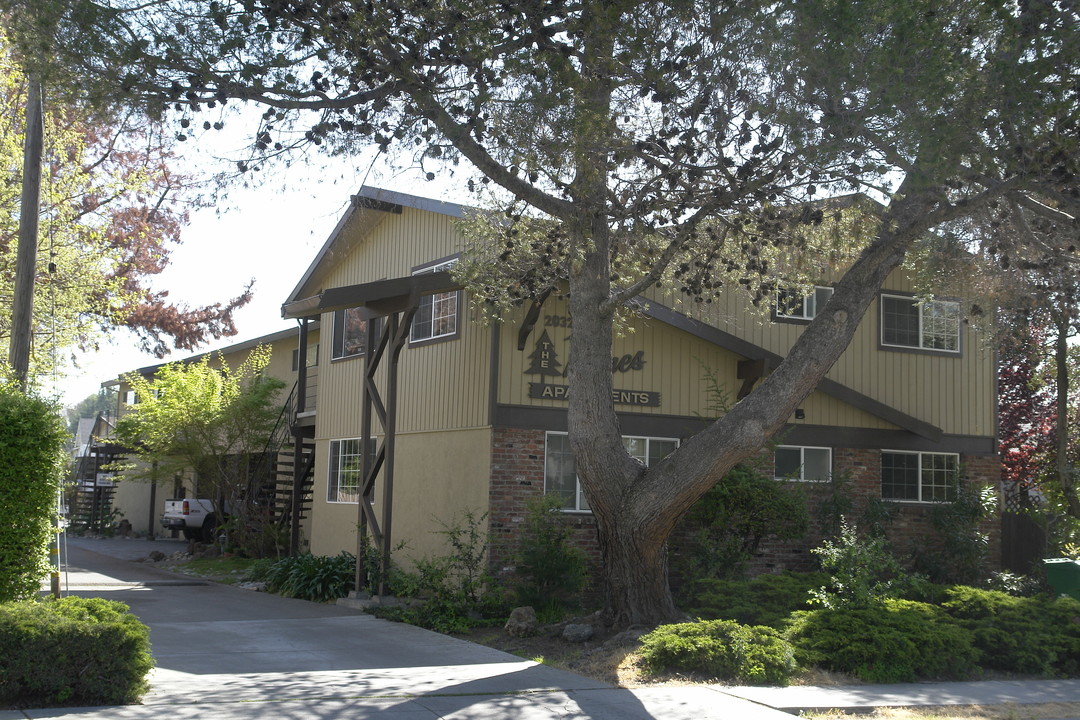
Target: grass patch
227	570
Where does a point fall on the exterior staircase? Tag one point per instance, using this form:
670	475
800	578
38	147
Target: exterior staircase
284	483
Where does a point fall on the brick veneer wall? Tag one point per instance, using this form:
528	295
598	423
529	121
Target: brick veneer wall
517	475
910	528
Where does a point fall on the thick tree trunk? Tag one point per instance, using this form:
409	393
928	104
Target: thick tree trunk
636	508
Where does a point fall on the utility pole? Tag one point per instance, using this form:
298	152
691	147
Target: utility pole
22	311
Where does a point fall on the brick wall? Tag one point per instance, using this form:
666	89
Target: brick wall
909	528
518	474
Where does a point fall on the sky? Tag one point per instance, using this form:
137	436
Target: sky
270	233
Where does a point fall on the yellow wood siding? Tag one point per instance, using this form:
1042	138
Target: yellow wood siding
676	365
442	385
438	477
953	392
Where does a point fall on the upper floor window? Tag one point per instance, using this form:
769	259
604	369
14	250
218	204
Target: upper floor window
437	315
927	325
795	305
802	463
560	476
312	357
919	476
350	333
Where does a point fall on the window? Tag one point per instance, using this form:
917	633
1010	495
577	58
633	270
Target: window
560	477
437	316
312	357
923	477
928	325
346	470
350	334
794	305
802	463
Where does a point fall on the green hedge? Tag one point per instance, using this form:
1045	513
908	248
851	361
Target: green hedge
1031	635
72	651
899	641
721	649
32	437
765	600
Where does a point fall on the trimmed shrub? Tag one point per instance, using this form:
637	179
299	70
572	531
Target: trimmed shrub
72	651
1030	635
898	641
721	649
765	600
32	457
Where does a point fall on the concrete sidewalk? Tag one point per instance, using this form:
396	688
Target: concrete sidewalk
228	653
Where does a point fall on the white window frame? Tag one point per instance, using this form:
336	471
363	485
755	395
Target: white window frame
334	493
925	309
448	302
922	485
810	303
581	505
802	463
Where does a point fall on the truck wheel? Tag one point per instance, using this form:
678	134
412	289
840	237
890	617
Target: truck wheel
209	530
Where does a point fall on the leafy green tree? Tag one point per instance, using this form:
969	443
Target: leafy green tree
112	210
101	402
208	420
654	139
32	459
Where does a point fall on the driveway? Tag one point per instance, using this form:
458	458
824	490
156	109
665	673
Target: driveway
224	652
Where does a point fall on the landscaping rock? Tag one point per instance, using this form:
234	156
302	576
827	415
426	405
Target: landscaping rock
630	636
522	622
252	585
577	632
156	555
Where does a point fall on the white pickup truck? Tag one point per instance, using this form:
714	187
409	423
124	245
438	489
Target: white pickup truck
195	517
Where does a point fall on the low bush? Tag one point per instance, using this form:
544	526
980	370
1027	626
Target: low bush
764	600
720	649
1031	635
311	577
896	641
724	528
551	570
72	651
451	592
862	571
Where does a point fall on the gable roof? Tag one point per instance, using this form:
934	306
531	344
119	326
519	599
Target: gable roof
367	208
370	206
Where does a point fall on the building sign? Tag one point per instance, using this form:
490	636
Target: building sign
551	391
544	361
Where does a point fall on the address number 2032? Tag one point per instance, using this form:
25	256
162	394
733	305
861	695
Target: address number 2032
559	321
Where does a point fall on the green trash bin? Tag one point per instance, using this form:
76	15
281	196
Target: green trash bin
1063	575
